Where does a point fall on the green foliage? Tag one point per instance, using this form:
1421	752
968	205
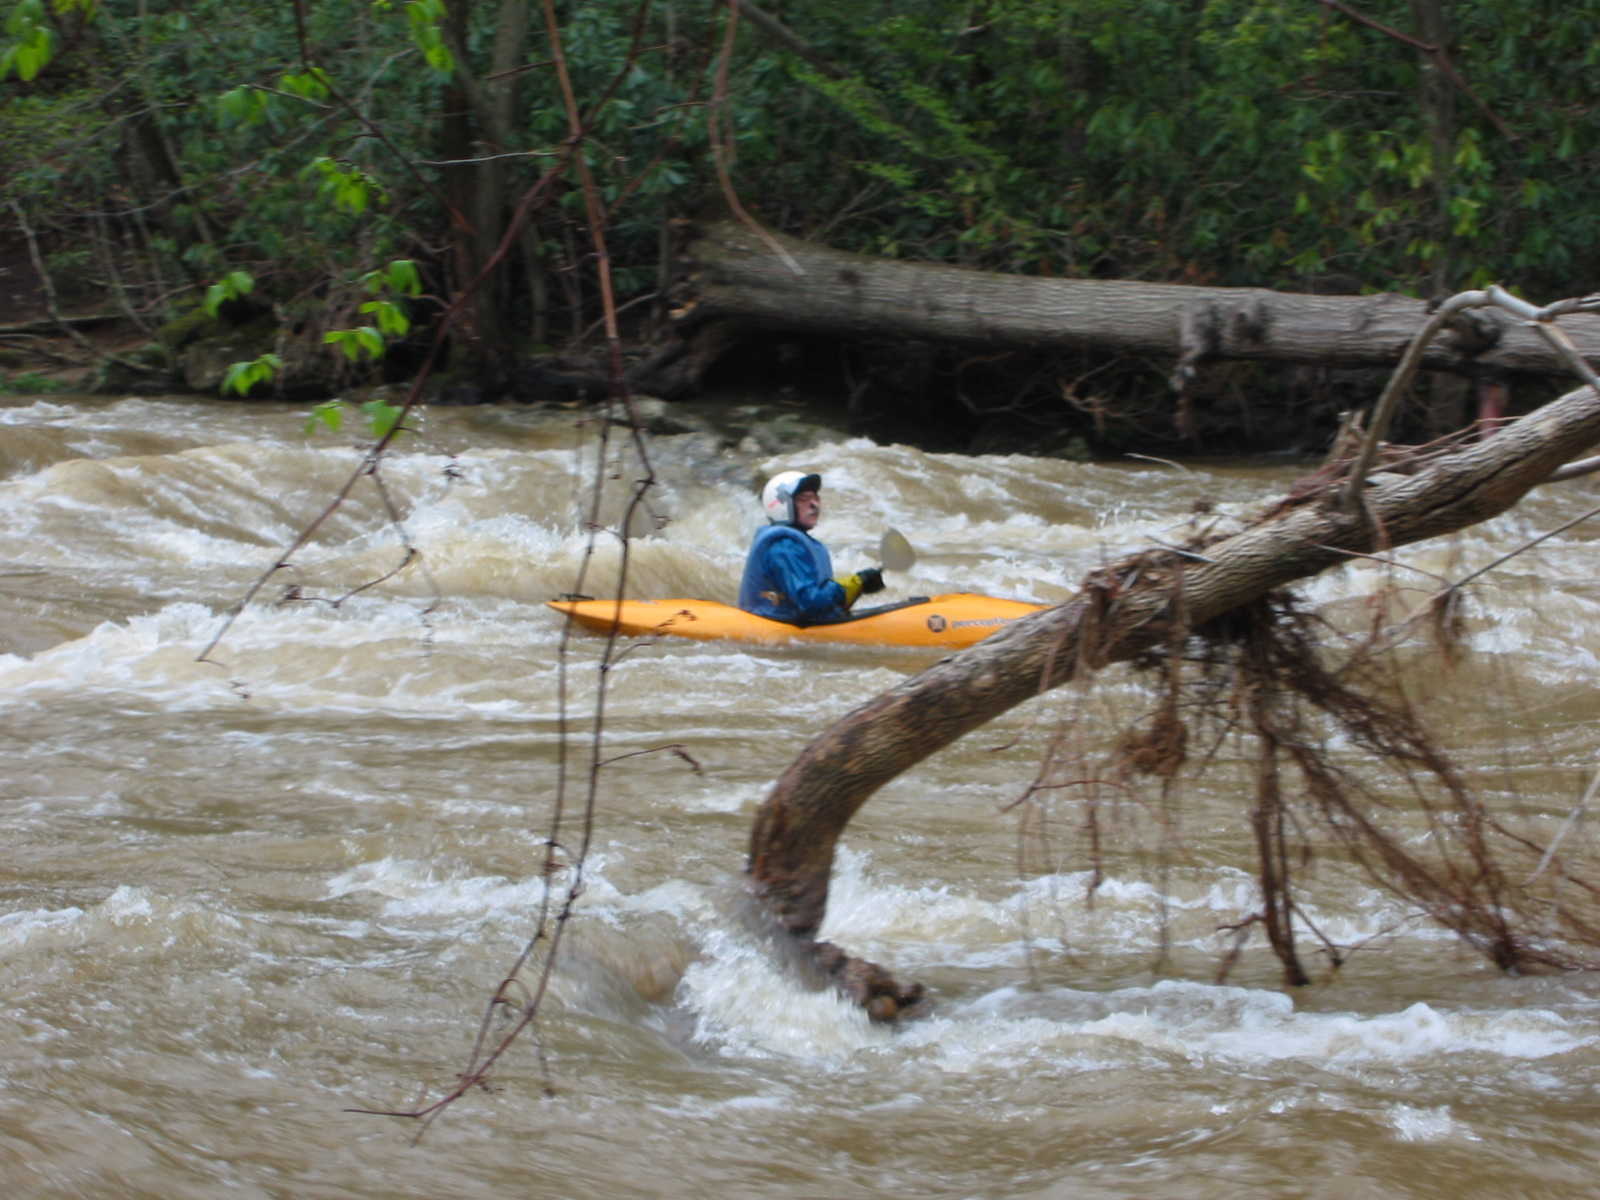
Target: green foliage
32	38
399	276
391	318
425	17
32	383
1230	141
308	85
329	413
243	106
31	42
250	105
231	286
356	343
241	377
382	417
348	188
1260	142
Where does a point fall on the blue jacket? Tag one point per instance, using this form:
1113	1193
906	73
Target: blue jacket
788	576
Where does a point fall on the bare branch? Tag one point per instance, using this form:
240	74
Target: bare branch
1437	54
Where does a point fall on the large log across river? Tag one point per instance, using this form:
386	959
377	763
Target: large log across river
736	275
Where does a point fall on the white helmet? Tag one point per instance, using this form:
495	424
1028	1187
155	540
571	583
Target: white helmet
778	496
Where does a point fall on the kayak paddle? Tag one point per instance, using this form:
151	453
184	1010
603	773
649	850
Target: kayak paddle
894	552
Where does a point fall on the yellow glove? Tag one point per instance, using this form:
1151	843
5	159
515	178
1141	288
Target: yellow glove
852	587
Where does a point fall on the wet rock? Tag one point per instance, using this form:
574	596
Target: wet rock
205	362
145	371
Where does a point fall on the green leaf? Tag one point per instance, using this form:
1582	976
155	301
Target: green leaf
349	188
391	320
308	85
440	59
329	413
242	376
382	415
345	340
1465	211
353	343
402	277
34	53
425	17
24	16
230	287
243	106
27	60
35	41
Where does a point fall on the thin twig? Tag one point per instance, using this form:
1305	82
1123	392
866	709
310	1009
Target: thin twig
1398	384
1540	319
722	147
1567	826
1435	54
550	925
1165	462
1383	560
51	305
1528	545
676	749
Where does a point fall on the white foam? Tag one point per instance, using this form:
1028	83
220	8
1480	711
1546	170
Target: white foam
125	910
1427	1124
1254	1026
40	412
416	890
721	798
18	929
371	653
745	1004
867	913
939	922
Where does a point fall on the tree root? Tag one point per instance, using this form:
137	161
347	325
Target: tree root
869	985
1225	609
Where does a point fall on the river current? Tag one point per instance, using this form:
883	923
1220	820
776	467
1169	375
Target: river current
242	897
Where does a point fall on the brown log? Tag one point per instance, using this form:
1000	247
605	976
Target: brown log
734	274
1122	610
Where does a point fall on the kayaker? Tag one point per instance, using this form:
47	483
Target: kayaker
788	575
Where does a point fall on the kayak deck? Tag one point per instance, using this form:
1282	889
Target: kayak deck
949	621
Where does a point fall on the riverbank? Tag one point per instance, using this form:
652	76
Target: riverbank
773	385
937	398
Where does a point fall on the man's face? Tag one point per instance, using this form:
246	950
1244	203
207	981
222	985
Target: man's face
807	508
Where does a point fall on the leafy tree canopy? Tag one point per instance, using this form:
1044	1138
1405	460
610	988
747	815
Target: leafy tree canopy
1266	142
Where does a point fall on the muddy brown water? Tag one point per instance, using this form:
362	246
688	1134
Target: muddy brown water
239	900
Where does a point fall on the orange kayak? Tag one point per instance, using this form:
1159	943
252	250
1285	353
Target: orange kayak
952	621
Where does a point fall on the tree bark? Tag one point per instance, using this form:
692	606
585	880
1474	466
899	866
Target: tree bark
478	125
734	275
1120	611
1437	100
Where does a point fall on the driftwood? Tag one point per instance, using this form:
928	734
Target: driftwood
733	275
1121	611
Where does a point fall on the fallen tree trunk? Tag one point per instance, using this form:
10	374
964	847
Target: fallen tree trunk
1122	610
735	275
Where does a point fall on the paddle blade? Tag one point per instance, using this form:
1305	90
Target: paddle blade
895	553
